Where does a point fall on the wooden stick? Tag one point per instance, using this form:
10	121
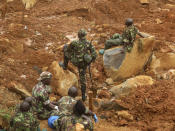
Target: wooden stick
90	100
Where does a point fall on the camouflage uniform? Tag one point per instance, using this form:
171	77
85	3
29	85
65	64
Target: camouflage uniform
66	103
68	123
115	40
24	121
41	99
81	53
128	36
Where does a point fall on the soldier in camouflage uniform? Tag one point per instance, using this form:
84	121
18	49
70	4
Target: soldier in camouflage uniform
66	103
67	122
40	93
129	34
24	120
81	53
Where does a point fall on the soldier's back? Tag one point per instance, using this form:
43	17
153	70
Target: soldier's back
68	123
66	103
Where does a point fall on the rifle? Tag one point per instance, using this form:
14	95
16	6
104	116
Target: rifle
90	75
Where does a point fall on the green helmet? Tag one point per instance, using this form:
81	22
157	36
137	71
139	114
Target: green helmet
82	33
115	36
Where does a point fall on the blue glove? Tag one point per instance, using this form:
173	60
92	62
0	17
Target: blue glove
51	121
95	118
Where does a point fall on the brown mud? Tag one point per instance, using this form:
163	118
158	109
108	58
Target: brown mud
45	27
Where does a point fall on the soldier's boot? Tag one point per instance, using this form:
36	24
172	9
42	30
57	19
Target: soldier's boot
83	92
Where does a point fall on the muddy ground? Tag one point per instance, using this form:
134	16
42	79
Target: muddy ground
50	24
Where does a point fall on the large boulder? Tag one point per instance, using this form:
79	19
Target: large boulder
162	62
19	89
130	85
120	65
62	79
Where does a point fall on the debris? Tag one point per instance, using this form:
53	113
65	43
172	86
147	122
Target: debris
23	76
103	94
144	1
19	89
62	80
158	21
125	115
37	33
109	81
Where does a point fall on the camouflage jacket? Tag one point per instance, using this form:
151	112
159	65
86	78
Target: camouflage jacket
66	103
41	94
129	34
24	121
78	49
68	123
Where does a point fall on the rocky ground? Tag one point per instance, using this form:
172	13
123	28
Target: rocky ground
37	39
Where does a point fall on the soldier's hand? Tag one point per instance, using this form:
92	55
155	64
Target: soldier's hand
56	108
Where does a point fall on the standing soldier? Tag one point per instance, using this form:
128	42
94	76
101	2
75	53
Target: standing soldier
129	34
24	120
81	53
40	93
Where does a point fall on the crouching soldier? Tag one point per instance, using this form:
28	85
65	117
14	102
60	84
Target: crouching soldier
24	120
40	93
68	121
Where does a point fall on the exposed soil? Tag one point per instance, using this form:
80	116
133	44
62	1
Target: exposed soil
48	25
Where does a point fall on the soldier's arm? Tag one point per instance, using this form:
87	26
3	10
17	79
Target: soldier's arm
92	51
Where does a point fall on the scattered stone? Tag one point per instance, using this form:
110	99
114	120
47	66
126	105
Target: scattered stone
109	81
95	73
112	104
168	75
25	16
103	94
28	42
62	80
130	85
106	25
103	35
162	62
125	115
19	89
100	29
158	21
144	1
23	76
29	3
170	6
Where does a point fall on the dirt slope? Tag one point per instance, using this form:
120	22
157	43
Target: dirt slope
48	24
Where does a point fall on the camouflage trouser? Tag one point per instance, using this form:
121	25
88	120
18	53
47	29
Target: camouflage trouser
128	47
112	42
82	76
45	114
24	129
